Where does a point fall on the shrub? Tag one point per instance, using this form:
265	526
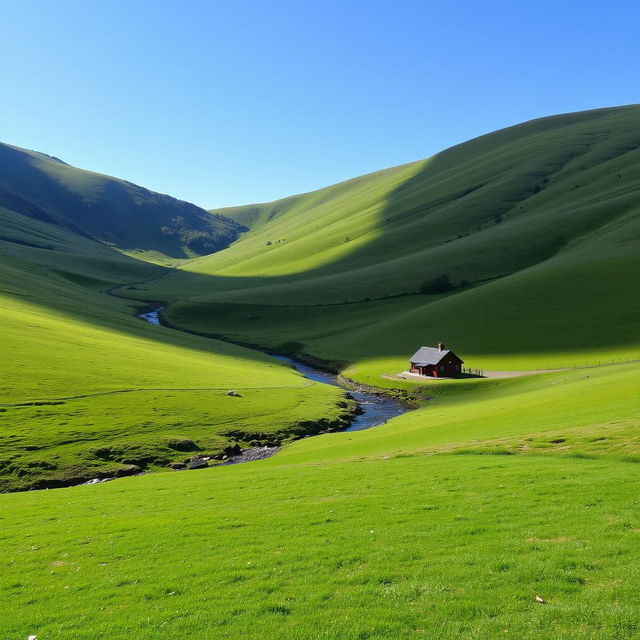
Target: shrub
439	284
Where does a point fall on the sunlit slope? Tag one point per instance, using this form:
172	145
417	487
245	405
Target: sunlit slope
593	412
113	211
483	209
303	232
537	227
87	388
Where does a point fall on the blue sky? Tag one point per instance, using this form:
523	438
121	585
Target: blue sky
225	103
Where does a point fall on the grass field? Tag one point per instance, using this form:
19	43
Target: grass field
445	523
443	547
500	415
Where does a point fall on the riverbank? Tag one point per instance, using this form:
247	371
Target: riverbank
161	401
375	406
292	351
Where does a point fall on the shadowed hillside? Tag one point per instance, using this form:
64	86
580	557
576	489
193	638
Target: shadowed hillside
113	211
536	226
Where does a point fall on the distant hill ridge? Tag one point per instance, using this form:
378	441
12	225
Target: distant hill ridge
111	210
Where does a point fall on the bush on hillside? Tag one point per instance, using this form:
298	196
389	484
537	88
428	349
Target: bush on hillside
439	284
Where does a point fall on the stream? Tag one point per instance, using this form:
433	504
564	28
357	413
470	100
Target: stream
376	409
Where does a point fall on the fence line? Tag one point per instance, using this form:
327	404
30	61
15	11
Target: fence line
587	365
561	366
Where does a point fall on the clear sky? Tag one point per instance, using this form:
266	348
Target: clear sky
225	103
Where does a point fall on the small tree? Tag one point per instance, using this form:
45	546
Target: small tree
439	284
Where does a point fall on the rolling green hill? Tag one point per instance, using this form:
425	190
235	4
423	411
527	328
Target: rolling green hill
536	226
88	390
113	211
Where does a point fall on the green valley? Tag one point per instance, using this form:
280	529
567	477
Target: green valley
501	506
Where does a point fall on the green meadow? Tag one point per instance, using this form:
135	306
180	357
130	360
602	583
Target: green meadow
447	522
498	416
87	391
441	547
499	507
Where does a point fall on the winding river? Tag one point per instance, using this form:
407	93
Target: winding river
375	409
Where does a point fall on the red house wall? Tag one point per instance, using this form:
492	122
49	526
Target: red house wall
448	368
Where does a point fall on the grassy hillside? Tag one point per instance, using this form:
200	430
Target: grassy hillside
517	415
116	212
88	389
537	227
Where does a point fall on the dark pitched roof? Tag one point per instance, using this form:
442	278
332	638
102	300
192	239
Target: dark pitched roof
429	355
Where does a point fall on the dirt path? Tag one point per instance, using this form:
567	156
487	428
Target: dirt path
517	374
406	375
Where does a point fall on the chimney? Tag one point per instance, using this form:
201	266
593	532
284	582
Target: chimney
440	346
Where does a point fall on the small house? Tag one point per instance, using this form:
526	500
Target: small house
436	362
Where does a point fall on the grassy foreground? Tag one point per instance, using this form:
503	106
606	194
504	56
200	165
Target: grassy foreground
445	523
443	547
